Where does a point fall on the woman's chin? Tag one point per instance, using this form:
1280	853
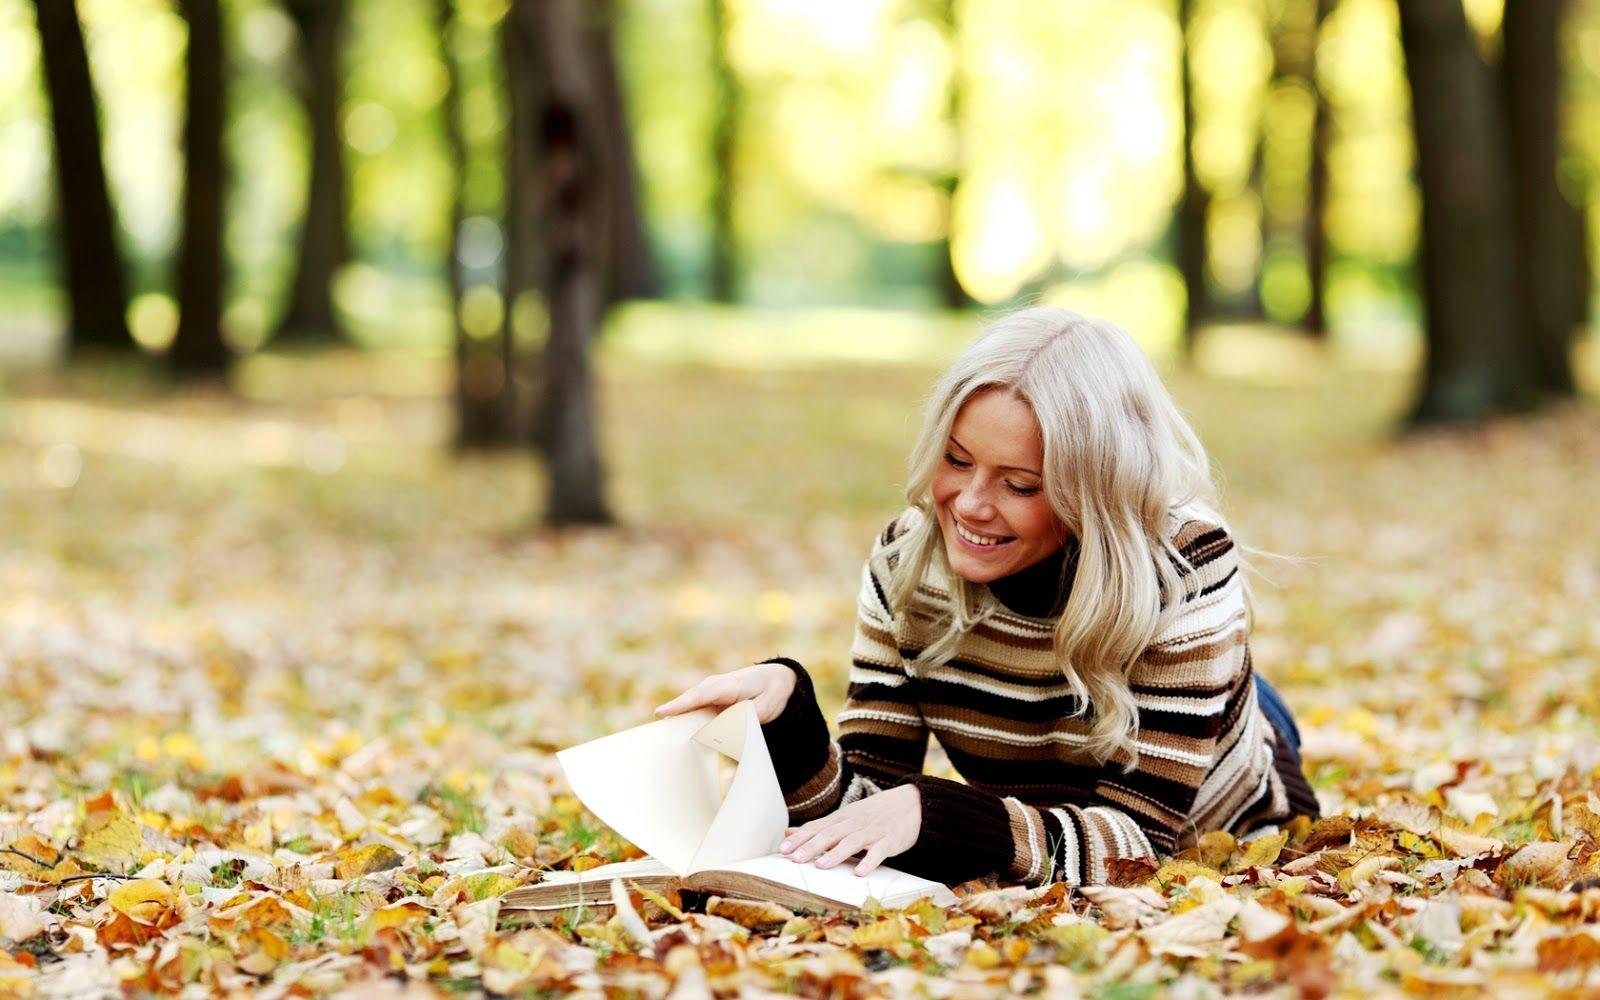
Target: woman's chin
970	569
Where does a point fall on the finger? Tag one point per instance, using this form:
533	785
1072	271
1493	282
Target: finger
699	696
818	842
846	848
874	857
795	841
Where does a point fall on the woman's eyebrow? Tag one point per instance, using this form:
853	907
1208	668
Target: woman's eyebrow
1013	468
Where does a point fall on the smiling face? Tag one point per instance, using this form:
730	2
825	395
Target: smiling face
989	490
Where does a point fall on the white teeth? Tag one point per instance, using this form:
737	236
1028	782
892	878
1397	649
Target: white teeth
976	539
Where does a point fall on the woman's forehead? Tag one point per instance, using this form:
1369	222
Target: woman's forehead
1001	427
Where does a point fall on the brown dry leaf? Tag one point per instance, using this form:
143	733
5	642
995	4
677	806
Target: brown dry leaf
1183	933
752	913
1570	951
1122	908
358	861
1543	863
522	841
1130	871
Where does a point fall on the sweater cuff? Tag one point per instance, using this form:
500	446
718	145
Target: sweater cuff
965	833
797	740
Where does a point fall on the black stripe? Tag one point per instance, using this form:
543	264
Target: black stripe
994	706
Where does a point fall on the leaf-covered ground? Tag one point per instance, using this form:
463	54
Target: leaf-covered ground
282	680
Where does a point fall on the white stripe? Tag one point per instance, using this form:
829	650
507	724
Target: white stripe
835	759
878	715
1183	704
1069	846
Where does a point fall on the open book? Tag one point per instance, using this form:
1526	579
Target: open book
658	785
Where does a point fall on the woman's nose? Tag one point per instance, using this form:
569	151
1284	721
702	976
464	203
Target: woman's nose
972	503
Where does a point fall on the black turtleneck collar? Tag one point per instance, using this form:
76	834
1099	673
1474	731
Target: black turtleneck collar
1037	590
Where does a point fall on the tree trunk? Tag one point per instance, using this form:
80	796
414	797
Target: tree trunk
324	243
480	377
633	274
198	348
1192	249
92	272
951	292
725	106
1469	293
571	179
1316	237
525	94
1530	79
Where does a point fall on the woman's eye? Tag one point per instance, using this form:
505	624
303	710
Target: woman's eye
958	463
1024	491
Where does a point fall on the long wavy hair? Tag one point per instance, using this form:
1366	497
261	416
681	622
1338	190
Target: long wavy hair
1119	458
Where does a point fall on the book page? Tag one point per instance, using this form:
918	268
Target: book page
652	784
657	785
753	815
841	883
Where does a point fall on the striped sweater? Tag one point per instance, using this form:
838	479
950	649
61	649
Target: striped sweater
1035	806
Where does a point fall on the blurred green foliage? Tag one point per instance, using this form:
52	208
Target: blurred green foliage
1067	154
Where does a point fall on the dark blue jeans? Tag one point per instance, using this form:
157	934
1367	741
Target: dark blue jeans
1273	705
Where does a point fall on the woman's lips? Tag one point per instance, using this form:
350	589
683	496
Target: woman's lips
973	547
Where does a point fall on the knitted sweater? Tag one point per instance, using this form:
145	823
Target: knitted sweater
1035	806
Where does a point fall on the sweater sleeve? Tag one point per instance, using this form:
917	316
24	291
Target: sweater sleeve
882	736
1202	760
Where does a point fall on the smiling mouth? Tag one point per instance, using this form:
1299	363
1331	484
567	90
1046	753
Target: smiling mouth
982	541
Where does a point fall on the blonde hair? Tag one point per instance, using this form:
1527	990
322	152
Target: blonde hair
1119	457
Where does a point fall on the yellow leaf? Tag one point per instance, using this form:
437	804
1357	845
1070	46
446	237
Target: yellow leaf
661	902
482	885
982	956
880	934
584	862
358	861
1177	869
1076	940
110	839
143	899
402	915
1263	850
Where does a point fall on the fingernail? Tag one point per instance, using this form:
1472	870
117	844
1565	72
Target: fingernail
784	846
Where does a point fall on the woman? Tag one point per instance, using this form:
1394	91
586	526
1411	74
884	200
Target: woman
1062	606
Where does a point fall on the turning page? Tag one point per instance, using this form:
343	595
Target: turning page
657	786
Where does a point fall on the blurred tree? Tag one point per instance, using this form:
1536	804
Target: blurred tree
1295	27
324	243
92	270
574	201
198	348
1548	229
951	292
725	107
481	415
1190	224
525	89
1315	233
632	274
1473	328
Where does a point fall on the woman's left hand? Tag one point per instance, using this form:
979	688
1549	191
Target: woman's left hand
882	824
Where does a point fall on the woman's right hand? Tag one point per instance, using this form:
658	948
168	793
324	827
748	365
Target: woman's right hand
768	684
